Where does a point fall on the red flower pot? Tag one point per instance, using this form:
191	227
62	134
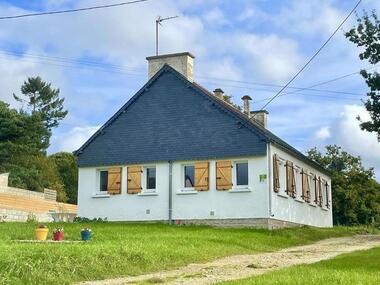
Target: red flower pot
58	236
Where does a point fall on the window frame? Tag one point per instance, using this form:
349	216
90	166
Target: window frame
234	174
183	167
145	177
98	186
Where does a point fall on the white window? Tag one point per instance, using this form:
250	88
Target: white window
149	179
103	181
109	181
188	177
240	174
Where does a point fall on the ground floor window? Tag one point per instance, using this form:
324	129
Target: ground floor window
188	176
150	178
103	181
241	173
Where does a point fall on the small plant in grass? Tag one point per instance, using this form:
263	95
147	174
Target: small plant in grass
41	232
58	234
86	233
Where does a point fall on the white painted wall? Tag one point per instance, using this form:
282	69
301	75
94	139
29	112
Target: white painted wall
122	207
256	201
296	210
236	203
251	202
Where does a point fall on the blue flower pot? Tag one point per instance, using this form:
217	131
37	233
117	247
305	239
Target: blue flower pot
86	235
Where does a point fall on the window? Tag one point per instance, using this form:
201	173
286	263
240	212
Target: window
189	176
103	181
110	181
241	173
150	178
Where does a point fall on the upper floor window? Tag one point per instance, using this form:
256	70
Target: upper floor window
188	176
241	173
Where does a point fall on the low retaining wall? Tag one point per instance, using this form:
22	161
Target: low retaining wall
20	205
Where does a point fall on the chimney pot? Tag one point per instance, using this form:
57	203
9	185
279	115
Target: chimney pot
219	93
182	62
246	100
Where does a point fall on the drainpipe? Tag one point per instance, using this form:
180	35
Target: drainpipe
170	220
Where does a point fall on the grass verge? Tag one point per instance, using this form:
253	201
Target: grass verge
119	249
358	268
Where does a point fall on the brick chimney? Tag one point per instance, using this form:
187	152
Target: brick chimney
182	62
260	117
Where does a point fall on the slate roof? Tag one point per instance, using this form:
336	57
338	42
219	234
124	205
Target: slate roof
157	124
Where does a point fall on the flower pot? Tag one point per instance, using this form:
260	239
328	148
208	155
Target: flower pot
86	235
41	233
58	236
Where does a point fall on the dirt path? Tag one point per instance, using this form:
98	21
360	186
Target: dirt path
242	266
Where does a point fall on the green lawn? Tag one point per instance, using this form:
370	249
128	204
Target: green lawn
358	268
119	249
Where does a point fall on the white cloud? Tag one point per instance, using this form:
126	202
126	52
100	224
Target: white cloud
345	132
309	18
74	138
270	56
323	133
215	16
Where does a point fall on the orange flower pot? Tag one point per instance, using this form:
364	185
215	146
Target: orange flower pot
42	233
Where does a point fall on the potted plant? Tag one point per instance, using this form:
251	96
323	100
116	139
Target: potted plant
58	234
85	234
42	232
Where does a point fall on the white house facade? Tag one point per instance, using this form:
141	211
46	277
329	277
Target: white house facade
176	152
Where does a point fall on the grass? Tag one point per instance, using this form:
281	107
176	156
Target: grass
119	249
358	268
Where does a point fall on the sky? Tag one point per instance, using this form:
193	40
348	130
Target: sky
97	60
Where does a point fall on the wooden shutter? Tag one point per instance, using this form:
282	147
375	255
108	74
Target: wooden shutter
223	175
276	174
327	195
316	192
305	186
320	192
114	181
201	176
134	179
290	179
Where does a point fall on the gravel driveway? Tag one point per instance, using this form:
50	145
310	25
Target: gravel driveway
242	266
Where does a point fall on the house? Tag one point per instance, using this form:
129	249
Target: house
20	205
177	152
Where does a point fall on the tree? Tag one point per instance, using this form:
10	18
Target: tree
44	100
355	192
22	152
366	36
66	165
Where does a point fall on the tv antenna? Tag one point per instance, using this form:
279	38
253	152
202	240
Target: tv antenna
158	22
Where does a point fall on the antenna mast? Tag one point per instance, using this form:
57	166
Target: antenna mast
158	22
